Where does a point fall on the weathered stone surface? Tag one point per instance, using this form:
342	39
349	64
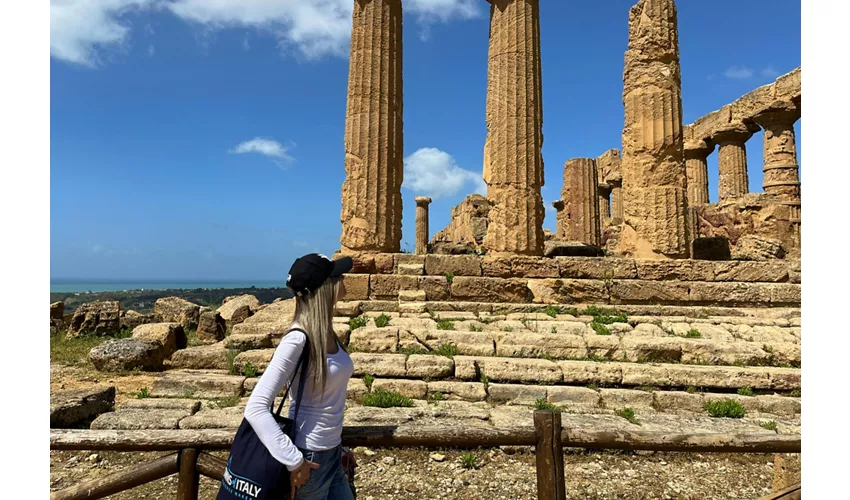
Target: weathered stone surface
375	339
57	311
467	343
587	372
210	357
558	248
259	359
465	391
598	268
75	407
753	247
245	342
534	267
568	291
170	335
780	405
234	303
652	349
197	384
516	393
507	369
781	379
456	265
131	319
385	263
722	353
101	317
638	374
223	418
605	346
774	271
177	310
356	286
139	420
648	292
625	398
415	389
654	176
784	352
679	270
388	286
513	161
496	266
533	345
467	226
241	314
648	330
679	401
279	312
733	294
578	218
374	146
726	377
784	294
128	354
570	396
188	405
489	289
379	365
429	366
356	389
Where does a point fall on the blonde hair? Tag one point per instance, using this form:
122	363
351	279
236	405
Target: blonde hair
314	313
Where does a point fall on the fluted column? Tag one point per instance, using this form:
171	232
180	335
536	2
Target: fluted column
604	201
581	205
732	160
513	162
422	203
617	202
696	165
654	177
560	216
781	171
371	194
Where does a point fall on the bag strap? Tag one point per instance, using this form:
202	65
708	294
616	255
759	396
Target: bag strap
302	365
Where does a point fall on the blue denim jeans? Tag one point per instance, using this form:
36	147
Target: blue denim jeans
329	481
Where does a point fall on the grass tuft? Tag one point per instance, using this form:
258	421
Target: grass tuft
628	414
445	324
368	379
693	334
769	425
382	398
542	404
143	393
382	320
726	408
358	322
552	311
447	350
249	370
745	391
599	328
469	460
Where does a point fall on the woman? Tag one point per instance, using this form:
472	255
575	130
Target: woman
315	459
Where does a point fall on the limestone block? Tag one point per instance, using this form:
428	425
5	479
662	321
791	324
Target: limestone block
648	292
652	349
570	396
680	270
101	317
387	286
213	357
221	418
356	389
371	339
606	346
465	391
496	266
507	369
626	398
212	327
782	379
379	365
722	353
785	294
73	407
170	335
139	420
589	372
534	345
259	359
415	389
127	354
648	330
679	401
638	374
356	286
177	310
726	377
197	384
385	263
779	405
489	289
456	265
784	352
516	393
468	343
245	342
598	268
534	267
768	271
730	294
231	304
188	405
429	366
568	291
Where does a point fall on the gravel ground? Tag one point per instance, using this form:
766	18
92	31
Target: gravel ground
501	474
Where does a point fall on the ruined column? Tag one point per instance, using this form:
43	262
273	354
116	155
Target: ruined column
654	178
604	201
732	160
371	194
696	165
422	203
513	162
609	168
581	206
617	202
560	215
781	171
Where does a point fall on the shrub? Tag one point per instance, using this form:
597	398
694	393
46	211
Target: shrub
599	328
450	277
435	396
604	316
542	404
444	324
770	425
368	379
572	311
628	414
469	461
693	334
447	350
386	399
745	391
728	408
358	322
552	311
249	370
143	393
382	320
231	362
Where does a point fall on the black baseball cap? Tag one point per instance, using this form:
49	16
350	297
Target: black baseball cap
309	272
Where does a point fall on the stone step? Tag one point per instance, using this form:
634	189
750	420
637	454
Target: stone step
197	384
73	407
210	357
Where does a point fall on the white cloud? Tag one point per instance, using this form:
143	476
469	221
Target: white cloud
84	31
245	45
266	147
738	72
769	72
151	50
435	173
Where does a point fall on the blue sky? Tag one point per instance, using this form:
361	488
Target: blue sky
204	140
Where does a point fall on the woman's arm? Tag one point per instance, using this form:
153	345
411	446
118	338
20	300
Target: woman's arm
283	365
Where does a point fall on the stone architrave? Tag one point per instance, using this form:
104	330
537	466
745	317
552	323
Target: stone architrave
513	160
732	159
581	206
371	194
422	203
696	165
781	171
654	177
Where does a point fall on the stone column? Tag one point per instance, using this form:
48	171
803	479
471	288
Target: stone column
696	165
371	194
581	204
604	201
422	203
654	178
781	172
559	218
617	202
513	162
732	160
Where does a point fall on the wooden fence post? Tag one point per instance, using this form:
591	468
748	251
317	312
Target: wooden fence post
550	456
188	479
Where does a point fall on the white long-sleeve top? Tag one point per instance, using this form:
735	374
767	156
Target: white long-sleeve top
319	424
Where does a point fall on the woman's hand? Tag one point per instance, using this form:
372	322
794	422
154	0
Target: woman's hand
348	460
301	475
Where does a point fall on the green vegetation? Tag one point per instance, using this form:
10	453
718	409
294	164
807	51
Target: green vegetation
599	328
554	330
728	408
572	311
628	414
486	381
552	311
691	389
469	460
227	402
191	337
445	324
745	391
770	425
593	387
368	379
646	388
693	334
476	328
358	322
75	351
435	396
143	393
382	320
605	316
386	399
795	393
450	277
231	362
249	370
413	350
447	350
507	329
542	404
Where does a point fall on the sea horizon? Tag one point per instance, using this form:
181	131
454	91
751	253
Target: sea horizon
70	285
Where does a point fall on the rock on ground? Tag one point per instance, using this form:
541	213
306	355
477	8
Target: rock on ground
101	317
71	408
170	335
232	304
177	310
211	327
127	354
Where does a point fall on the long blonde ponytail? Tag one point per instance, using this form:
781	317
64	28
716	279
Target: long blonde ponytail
314	313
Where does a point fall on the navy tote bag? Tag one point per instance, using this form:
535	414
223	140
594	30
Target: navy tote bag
252	473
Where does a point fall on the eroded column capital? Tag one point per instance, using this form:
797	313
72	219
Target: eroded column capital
558	204
422	201
778	113
735	132
698	149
